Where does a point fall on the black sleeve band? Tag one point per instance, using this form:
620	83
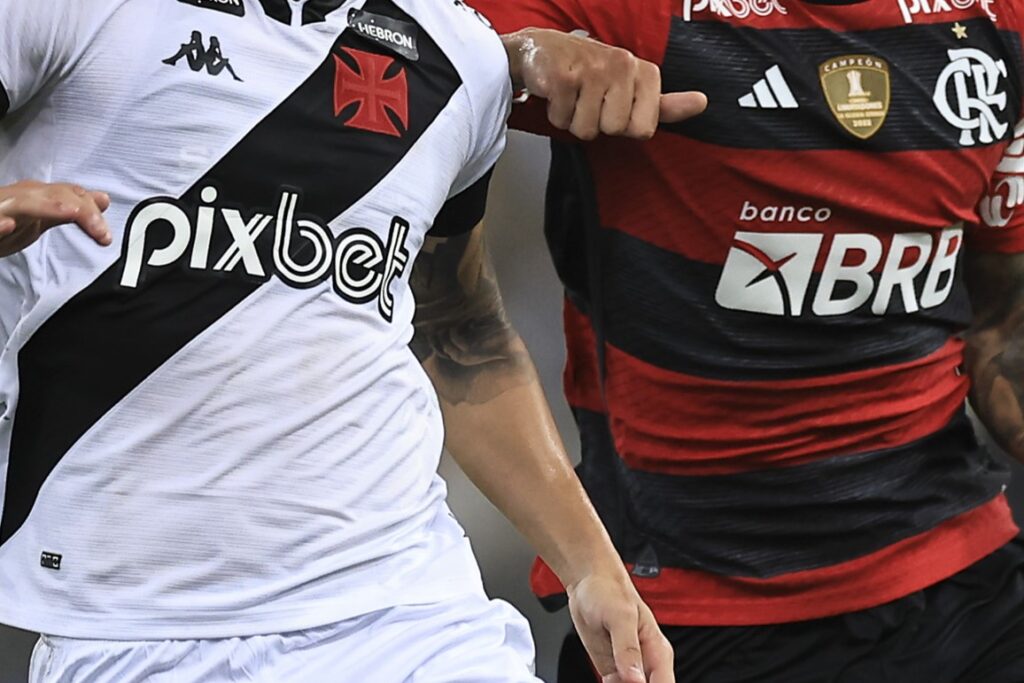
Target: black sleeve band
5	101
464	211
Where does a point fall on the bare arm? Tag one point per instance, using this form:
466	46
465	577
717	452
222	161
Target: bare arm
995	346
501	433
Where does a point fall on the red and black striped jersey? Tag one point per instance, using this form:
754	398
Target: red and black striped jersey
764	304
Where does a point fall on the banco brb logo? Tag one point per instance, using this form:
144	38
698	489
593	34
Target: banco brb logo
774	273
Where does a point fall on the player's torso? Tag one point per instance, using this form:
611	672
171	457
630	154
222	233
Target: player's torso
777	301
809	225
870	119
238	113
230	384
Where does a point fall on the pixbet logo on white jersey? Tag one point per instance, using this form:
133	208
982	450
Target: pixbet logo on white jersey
361	266
914	8
773	273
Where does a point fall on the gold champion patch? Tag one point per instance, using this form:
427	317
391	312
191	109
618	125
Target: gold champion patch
858	91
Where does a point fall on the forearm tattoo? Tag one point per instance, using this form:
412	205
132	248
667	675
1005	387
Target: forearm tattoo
463	335
995	353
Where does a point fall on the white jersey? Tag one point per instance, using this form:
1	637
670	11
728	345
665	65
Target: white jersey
215	427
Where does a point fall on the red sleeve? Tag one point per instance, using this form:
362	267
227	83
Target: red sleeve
640	26
1001	212
509	16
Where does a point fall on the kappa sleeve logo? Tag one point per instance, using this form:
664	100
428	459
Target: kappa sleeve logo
371	92
480	17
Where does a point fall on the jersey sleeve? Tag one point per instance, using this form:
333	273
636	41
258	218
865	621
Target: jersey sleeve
561	15
464	211
1000	226
38	41
489	97
637	25
640	26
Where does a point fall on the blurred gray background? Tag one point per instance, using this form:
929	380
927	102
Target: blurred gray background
533	297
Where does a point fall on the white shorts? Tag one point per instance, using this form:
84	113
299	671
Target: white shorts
466	640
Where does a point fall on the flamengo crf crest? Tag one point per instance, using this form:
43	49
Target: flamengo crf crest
858	90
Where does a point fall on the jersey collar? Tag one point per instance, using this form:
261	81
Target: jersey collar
314	11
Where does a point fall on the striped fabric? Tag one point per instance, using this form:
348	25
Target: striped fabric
763	304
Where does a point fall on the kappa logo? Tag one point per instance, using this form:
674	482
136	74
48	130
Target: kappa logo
1007	195
234	7
969	97
741	9
774	273
372	91
910	9
361	266
199	57
481	18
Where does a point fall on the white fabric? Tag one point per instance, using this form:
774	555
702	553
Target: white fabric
466	640
279	472
38	43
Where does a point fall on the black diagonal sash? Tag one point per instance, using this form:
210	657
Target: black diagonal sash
107	339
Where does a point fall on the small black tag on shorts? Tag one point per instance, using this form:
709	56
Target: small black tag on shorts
50	561
647	565
396	35
235	7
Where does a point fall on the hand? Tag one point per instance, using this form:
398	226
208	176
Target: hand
592	88
29	208
619	631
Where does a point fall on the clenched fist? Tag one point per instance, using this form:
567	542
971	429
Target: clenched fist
592	88
29	208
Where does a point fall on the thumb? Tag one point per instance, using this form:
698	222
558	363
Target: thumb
679	106
629	663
